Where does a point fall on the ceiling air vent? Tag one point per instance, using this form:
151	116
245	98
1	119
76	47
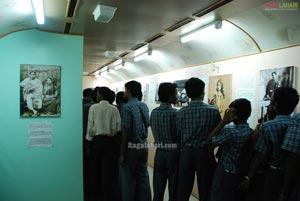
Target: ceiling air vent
124	54
211	8
68	26
153	38
180	24
138	46
72	8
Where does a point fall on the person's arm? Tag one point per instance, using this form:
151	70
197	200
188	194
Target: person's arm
124	145
228	117
126	133
254	165
259	157
290	175
90	132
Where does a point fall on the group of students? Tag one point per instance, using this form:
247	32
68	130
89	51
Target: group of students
232	161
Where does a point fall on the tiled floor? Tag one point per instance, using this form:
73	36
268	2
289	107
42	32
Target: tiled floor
166	198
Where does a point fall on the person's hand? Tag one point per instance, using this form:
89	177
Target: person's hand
229	115
244	185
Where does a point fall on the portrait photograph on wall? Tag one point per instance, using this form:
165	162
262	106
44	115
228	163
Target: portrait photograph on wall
269	81
183	98
40	90
219	92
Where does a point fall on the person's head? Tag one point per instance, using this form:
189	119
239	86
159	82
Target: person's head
120	98
94	96
112	97
167	92
49	80
242	109
274	75
220	86
284	100
140	96
88	92
194	88
132	89
32	75
103	93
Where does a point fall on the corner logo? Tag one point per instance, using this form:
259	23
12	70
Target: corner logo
273	5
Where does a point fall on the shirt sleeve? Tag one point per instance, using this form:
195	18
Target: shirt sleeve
224	135
262	142
117	120
90	132
126	120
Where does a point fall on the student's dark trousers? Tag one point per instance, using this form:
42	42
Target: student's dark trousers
102	167
273	184
165	169
195	159
135	177
224	186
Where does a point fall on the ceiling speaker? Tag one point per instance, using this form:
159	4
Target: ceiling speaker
104	13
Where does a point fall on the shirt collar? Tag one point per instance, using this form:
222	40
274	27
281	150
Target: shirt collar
196	101
165	105
104	102
133	99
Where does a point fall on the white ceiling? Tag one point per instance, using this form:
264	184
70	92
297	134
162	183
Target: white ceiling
248	28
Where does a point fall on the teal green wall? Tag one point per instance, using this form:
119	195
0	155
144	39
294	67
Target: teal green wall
41	174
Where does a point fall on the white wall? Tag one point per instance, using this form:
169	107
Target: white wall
92	82
245	74
244	70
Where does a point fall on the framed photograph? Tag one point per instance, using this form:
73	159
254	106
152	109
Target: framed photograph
40	90
219	92
183	99
270	80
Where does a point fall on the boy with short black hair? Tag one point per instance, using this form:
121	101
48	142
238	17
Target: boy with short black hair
232	140
284	101
163	124
195	122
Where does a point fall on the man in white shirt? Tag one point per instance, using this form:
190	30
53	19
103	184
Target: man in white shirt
103	124
32	93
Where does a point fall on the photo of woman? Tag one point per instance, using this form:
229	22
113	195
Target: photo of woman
220	92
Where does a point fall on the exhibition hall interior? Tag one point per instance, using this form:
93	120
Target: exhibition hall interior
238	45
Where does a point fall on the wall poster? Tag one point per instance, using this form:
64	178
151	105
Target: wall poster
219	92
40	90
270	80
183	98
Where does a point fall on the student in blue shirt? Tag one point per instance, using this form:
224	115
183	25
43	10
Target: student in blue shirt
234	143
268	146
134	149
291	145
194	123
166	139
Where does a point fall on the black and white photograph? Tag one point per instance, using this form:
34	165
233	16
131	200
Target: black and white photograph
270	80
183	99
220	91
40	90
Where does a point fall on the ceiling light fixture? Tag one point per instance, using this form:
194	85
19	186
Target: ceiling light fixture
104	13
119	64
142	53
38	6
202	33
